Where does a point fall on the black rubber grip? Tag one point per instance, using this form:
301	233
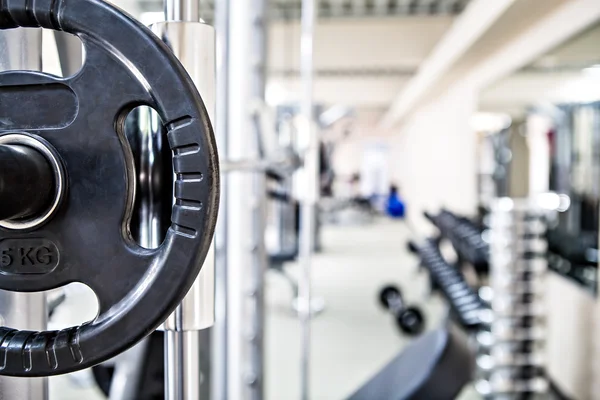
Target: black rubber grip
30	14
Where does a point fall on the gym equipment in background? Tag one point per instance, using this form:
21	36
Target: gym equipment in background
435	366
509	333
395	207
465	237
574	255
410	319
511	355
465	304
83	234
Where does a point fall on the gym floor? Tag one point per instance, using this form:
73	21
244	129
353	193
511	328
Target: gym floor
352	338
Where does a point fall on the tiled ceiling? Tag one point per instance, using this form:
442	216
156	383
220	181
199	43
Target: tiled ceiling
290	9
369	8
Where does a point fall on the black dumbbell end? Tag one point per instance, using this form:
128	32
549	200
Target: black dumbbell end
412	247
387	293
411	321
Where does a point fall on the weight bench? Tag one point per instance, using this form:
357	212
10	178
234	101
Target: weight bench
434	367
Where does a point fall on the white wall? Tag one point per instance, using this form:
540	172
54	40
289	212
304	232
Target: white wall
347	157
571	336
434	156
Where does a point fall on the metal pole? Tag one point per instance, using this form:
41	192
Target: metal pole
187	343
21	49
247	262
219	354
70	52
182	10
145	132
310	178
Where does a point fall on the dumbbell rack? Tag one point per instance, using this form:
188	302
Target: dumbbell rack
511	353
464	302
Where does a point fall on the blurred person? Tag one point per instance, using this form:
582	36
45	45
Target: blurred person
395	206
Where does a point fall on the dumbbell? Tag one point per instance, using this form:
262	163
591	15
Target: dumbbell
409	319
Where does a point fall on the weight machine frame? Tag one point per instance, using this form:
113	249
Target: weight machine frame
234	366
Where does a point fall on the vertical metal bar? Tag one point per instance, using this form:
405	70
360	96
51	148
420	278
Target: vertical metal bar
246	263
145	133
193	43
309	200
219	354
21	49
70	52
255	379
182	10
187	347
173	365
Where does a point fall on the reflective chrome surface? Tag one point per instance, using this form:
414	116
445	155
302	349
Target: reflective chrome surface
182	10
246	257
194	45
70	52
511	355
186	378
21	49
309	180
59	179
219	353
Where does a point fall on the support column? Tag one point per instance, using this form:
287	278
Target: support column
309	176
246	256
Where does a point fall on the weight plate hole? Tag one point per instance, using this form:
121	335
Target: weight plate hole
58	63
153	202
72	305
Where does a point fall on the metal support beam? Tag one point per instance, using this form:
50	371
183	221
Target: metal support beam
182	10
186	342
564	22
246	256
70	52
310	193
479	16
21	49
219	355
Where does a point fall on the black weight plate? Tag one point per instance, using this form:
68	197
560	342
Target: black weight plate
82	117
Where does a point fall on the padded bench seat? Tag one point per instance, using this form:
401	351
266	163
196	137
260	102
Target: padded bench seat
434	367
